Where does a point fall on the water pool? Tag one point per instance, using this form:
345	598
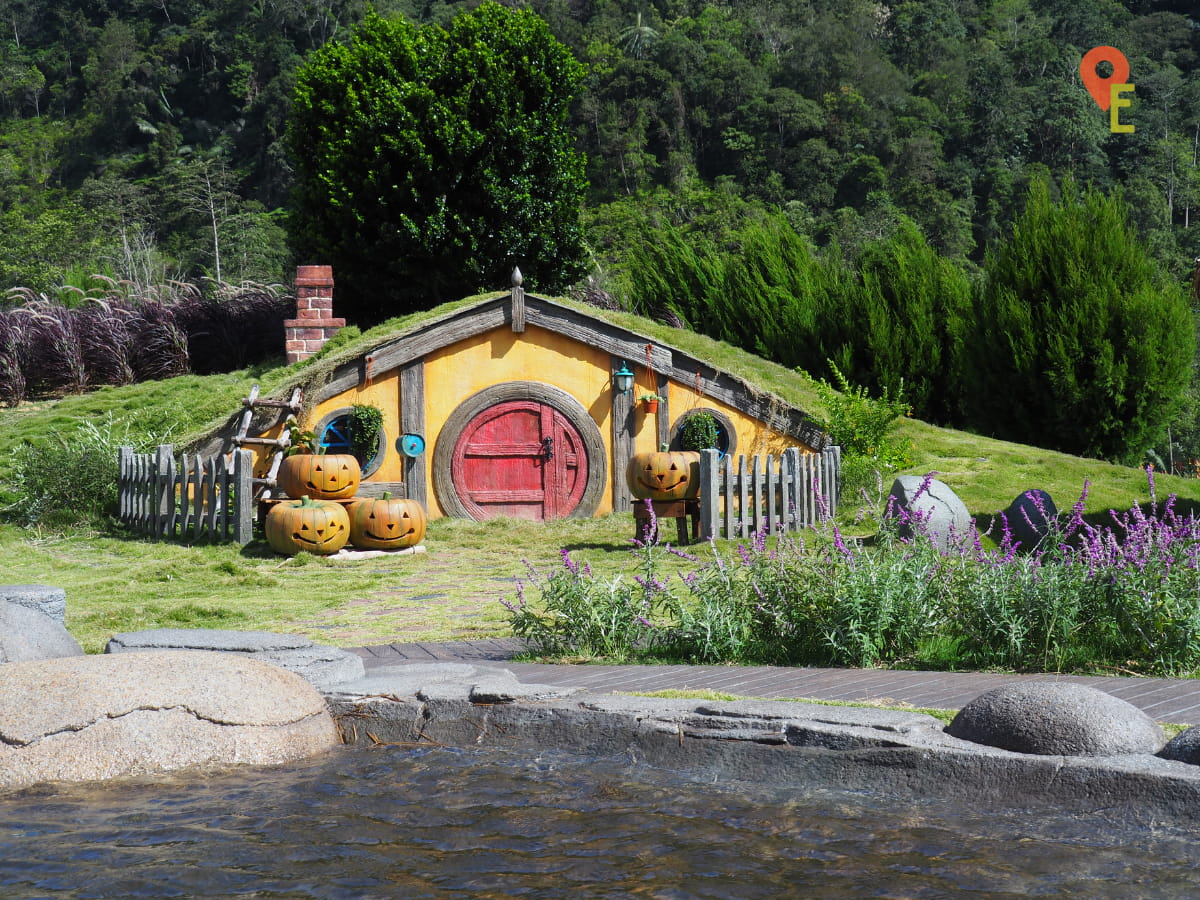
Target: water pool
415	823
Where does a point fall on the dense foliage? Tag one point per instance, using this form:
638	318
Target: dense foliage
1078	339
897	139
431	162
127	129
1070	338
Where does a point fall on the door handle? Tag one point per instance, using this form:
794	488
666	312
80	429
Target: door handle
548	448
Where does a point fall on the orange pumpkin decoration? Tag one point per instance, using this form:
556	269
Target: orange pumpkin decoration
387	523
316	526
322	476
664	475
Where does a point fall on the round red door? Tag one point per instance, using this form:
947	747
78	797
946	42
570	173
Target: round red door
520	458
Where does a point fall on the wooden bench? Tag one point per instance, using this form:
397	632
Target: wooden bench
679	510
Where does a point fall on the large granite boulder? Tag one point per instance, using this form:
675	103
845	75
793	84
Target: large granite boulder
50	600
927	506
1056	718
94	717
26	633
1031	517
319	665
1184	747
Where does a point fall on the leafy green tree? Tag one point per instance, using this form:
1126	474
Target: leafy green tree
1080	345
39	250
430	161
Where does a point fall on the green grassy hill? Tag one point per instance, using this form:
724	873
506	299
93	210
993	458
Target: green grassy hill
118	583
987	474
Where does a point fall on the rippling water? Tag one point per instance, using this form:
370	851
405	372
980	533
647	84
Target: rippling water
450	823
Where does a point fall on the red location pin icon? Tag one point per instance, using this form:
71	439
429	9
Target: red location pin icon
1098	86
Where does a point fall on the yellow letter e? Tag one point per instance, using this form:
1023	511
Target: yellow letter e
1116	101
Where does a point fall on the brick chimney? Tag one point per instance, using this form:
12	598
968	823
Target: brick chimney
314	323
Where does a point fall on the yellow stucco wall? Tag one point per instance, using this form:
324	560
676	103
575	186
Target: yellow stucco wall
384	392
753	436
455	373
500	355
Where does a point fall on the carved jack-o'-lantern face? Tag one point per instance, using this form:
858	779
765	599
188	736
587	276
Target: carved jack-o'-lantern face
330	476
664	475
387	523
317	526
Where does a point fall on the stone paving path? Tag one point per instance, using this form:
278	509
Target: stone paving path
1166	699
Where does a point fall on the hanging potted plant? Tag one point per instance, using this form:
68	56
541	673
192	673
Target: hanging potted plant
366	423
651	401
700	431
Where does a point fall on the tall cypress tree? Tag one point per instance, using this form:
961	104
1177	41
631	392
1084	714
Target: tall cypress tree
1080	344
913	307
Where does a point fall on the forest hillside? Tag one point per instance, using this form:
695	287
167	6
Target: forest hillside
146	141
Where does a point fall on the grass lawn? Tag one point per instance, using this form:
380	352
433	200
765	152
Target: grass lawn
453	590
450	592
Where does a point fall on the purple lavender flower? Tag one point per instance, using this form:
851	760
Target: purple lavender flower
569	564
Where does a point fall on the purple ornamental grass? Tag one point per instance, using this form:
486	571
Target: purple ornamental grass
1123	594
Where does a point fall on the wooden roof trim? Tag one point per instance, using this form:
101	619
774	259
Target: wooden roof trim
429	337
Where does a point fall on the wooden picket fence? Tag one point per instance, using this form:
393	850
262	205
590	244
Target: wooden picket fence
191	499
789	493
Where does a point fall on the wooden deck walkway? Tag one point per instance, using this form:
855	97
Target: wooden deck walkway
1166	699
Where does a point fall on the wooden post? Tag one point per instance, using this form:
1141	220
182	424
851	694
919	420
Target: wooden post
622	441
806	493
412	421
772	503
243	487
518	301
789	466
124	477
211	523
164	463
834	468
710	496
743	498
198	488
176	494
756	503
663	417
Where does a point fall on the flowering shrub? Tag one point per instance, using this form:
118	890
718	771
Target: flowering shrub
1120	596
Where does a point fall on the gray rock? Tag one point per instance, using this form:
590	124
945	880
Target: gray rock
942	515
28	634
1184	747
446	681
96	717
50	600
319	665
1031	517
1056	718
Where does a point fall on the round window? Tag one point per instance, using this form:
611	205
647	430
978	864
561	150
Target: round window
336	432
722	436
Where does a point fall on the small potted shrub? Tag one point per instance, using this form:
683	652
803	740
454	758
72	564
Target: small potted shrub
366	422
699	432
651	401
